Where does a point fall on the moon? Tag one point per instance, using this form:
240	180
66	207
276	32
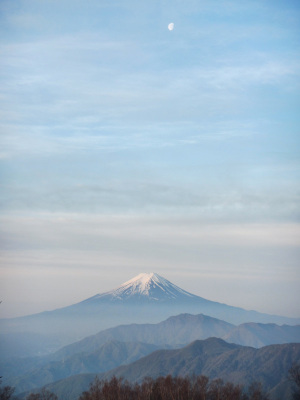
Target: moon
171	26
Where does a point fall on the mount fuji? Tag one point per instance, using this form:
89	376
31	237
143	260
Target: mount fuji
145	288
147	298
161	298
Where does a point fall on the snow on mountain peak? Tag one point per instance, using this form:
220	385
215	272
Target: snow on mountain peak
142	282
147	286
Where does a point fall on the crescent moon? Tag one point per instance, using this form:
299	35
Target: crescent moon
171	26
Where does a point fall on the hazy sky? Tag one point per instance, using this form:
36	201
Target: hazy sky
129	148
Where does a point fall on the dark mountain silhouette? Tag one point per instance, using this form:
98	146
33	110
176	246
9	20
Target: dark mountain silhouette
212	357
112	347
218	359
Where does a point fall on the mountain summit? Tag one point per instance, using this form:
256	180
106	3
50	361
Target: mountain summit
148	287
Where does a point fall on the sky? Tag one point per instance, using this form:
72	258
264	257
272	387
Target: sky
129	148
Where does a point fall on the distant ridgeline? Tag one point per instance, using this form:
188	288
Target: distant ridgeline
147	298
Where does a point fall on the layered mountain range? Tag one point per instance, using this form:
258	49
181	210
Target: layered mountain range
211	357
143	299
124	344
67	347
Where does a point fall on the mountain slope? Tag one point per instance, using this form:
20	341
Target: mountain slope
108	356
211	357
147	288
111	348
259	335
66	389
217	359
185	328
176	330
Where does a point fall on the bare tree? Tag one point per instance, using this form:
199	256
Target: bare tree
44	394
6	392
294	374
95	391
171	388
256	392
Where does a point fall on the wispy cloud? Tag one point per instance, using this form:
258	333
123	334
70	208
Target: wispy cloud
134	195
106	117
75	248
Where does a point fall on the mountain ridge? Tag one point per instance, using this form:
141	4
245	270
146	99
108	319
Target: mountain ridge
212	357
216	358
146	298
125	343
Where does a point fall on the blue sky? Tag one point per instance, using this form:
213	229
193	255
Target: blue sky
127	148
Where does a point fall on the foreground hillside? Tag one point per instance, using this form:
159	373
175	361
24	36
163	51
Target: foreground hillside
212	357
217	359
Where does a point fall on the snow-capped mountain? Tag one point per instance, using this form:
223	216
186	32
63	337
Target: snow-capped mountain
149	297
147	287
